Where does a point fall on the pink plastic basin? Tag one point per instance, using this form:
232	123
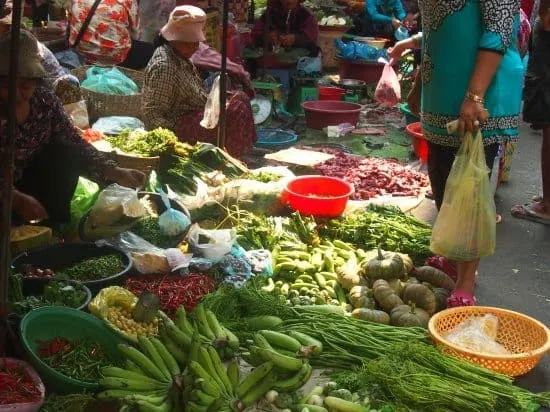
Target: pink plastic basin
331	93
323	113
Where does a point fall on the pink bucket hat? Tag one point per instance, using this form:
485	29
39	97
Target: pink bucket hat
185	24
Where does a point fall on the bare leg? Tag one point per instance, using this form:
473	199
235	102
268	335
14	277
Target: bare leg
540	206
466	275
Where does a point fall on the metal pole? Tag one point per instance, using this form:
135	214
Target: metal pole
267	24
223	77
7	153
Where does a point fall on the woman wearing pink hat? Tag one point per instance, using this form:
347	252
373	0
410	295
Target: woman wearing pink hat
174	96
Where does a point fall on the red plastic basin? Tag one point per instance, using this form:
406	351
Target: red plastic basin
323	113
420	145
369	72
319	196
331	93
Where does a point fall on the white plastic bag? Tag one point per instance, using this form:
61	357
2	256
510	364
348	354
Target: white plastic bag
212	108
146	257
478	334
388	90
172	222
113	203
218	244
78	112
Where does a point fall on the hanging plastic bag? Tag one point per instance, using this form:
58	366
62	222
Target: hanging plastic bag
172	222
78	112
109	81
388	90
84	196
465	228
113	203
211	244
212	108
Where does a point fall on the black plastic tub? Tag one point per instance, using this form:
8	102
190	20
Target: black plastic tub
58	256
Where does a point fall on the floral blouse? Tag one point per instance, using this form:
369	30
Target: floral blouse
48	122
109	36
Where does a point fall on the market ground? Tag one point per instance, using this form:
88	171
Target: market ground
517	277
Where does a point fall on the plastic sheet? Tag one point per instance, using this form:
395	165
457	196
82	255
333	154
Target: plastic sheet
218	244
478	334
109	81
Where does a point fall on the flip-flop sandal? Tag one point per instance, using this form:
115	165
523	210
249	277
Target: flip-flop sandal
460	298
499	218
525	212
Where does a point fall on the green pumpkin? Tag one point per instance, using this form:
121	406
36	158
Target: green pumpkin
361	297
385	296
386	265
405	315
421	296
371	315
408	264
435	277
441	295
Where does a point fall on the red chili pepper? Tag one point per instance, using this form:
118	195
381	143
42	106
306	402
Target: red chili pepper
16	386
173	290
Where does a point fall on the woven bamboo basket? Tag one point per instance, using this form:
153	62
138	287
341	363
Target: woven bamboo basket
526	338
104	105
143	164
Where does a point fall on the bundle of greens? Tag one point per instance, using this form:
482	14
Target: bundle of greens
74	403
386	226
153	143
420	378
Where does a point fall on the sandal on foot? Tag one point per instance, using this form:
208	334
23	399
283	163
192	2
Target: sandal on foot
461	298
526	212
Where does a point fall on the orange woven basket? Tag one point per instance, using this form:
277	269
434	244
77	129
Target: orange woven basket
526	338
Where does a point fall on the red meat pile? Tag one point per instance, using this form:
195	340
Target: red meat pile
373	177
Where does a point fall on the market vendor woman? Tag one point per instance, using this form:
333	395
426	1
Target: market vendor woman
174	96
381	18
50	155
291	25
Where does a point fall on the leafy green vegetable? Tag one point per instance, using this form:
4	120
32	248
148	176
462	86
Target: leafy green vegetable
264	177
419	377
73	403
140	142
386	226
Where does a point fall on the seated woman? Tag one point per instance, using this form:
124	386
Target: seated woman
381	19
174	96
291	25
50	154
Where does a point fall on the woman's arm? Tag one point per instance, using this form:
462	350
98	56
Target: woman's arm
498	19
400	12
372	13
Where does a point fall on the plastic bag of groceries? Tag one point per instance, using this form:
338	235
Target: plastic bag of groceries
465	228
113	203
388	90
172	222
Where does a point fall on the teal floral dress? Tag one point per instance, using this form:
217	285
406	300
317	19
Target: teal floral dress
453	32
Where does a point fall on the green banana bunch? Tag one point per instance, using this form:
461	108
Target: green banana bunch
177	335
148	379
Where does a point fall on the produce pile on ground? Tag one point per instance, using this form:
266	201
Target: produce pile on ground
371	176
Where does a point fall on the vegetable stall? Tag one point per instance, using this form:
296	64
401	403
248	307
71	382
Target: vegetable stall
208	293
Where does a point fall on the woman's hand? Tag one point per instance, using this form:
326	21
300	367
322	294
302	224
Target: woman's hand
472	115
28	208
396	23
397	51
126	177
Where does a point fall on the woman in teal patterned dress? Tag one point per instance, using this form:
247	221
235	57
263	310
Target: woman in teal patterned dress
471	71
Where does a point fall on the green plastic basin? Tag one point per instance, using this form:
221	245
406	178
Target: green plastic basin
49	322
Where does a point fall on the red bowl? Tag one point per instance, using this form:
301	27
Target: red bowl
331	93
323	113
319	196
420	144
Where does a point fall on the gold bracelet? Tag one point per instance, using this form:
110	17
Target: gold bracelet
474	97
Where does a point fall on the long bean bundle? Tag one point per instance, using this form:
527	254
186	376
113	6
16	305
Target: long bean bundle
348	341
420	378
